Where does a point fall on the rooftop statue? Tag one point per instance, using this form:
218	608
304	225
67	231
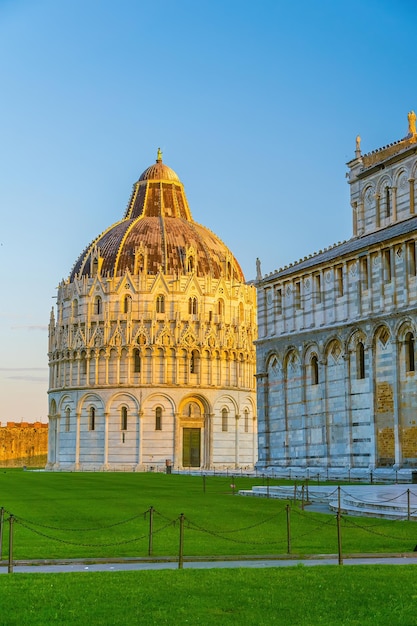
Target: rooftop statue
411	123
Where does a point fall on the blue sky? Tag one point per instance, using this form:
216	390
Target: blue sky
256	106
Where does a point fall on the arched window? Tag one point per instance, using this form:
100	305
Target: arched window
246	420
409	352
75	308
220	307
160	304
190	264
192	305
92	419
224	420
158	418
95	267
387	201
136	361
67	420
123	418
98	305
314	363
127	304
360	360
83	363
194	362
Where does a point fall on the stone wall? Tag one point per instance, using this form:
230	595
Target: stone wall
23	444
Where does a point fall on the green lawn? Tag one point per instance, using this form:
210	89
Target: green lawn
353	595
107	515
63	515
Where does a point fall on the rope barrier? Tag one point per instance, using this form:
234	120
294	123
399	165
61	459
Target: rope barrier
98	528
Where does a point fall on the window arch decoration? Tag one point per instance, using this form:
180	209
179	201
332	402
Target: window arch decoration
67	419
192	305
160	303
92	418
158	418
190	264
123	418
98	305
314	366
127	304
225	420
194	359
360	360
410	352
137	361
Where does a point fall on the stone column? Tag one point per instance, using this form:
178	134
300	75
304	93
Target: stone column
237	440
139	420
354	206
377	210
106	375
304	412
106	441
177	460
77	440
411	192
373	434
348	407
51	440
394	204
396	389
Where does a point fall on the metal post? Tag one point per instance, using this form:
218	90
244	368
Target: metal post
1	531
151	510
408	504
10	567
339	538
288	508
302	497
295	492
338	499
267	486
204	483
181	550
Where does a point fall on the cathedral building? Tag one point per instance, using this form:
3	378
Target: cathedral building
151	354
336	360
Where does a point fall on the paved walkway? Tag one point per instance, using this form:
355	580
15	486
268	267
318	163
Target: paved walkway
55	568
389	501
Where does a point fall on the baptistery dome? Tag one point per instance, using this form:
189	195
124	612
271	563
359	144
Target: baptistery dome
151	352
159	218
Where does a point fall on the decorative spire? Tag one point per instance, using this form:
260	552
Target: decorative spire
159	156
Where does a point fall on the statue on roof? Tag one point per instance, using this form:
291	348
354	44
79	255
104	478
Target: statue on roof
411	123
358	146
159	156
258	270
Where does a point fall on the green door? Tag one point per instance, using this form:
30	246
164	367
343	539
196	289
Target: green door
191	447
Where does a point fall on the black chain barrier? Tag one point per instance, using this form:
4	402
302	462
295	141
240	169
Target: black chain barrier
315	524
193	526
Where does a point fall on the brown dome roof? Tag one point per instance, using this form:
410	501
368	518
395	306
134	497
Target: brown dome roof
158	226
159	171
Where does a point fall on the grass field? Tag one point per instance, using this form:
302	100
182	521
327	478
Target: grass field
63	515
107	515
350	595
